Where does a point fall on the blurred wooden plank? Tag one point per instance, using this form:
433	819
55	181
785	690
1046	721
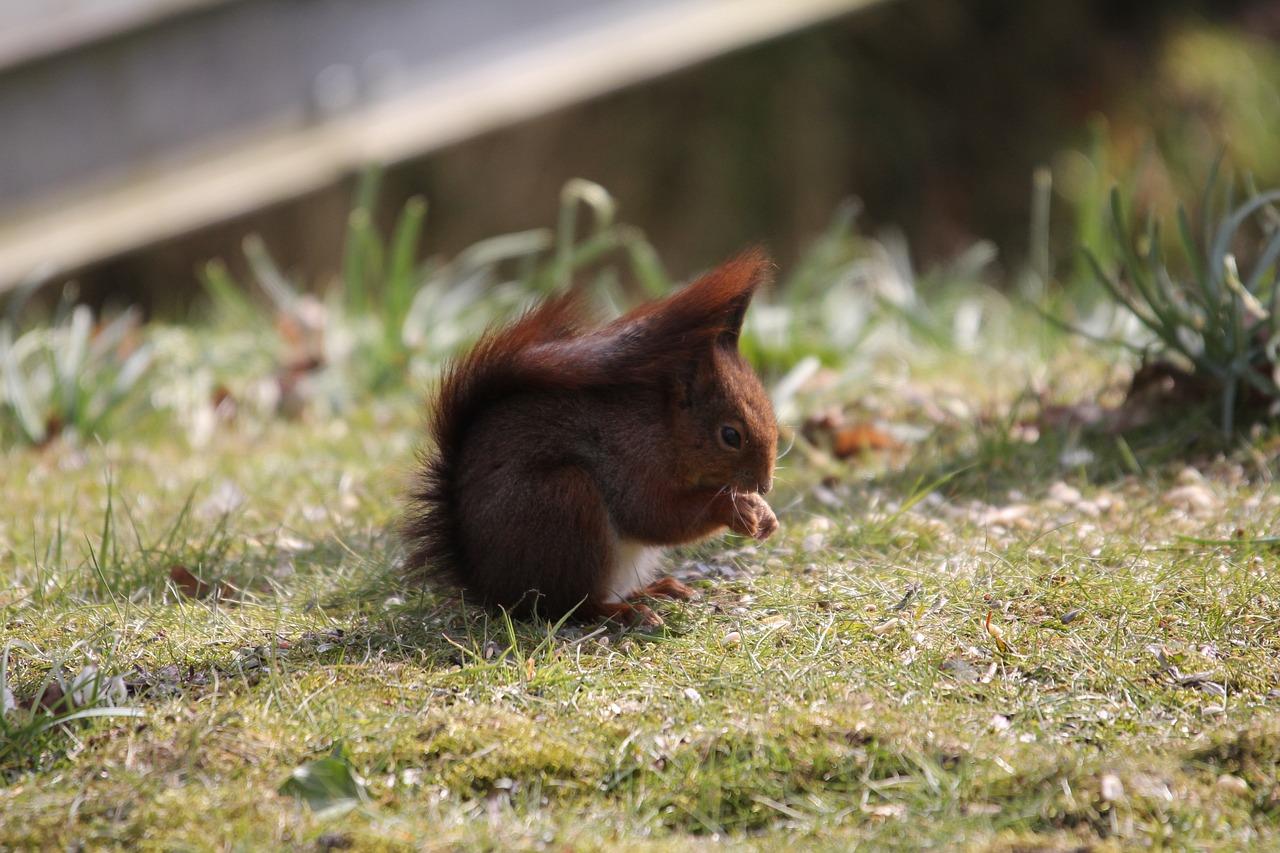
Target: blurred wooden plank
30	29
355	101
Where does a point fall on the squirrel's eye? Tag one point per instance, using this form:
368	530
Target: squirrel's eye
731	437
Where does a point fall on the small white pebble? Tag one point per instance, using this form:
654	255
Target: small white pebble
886	627
315	514
1194	498
1111	788
732	638
1190	476
1063	493
1232	785
291	544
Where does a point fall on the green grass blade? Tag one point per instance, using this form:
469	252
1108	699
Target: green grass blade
401	280
269	276
645	263
1266	264
829	250
1228	230
366	289
355	266
70	361
1208	201
229	300
1193	252
595	198
16	391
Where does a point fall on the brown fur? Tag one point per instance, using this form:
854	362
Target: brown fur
560	445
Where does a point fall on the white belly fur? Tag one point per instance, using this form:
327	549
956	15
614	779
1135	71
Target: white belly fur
635	566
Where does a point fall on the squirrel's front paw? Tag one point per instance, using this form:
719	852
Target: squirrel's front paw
753	517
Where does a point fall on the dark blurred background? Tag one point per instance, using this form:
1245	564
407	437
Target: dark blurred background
933	112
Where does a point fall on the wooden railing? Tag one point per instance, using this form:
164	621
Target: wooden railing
123	122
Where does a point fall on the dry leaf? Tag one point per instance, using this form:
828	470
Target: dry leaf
53	699
1159	390
861	438
187	583
192	587
225	405
1074	416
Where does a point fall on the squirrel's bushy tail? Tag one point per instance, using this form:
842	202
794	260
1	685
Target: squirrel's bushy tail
495	367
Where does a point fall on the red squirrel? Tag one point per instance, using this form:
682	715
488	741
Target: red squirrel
567	455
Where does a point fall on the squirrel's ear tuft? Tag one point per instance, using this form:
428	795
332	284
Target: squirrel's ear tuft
664	337
729	340
737	313
735	283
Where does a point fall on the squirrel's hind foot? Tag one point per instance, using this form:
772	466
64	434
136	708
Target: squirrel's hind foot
629	614
664	588
632	612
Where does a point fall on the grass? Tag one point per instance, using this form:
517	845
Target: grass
1014	634
67	376
1001	665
